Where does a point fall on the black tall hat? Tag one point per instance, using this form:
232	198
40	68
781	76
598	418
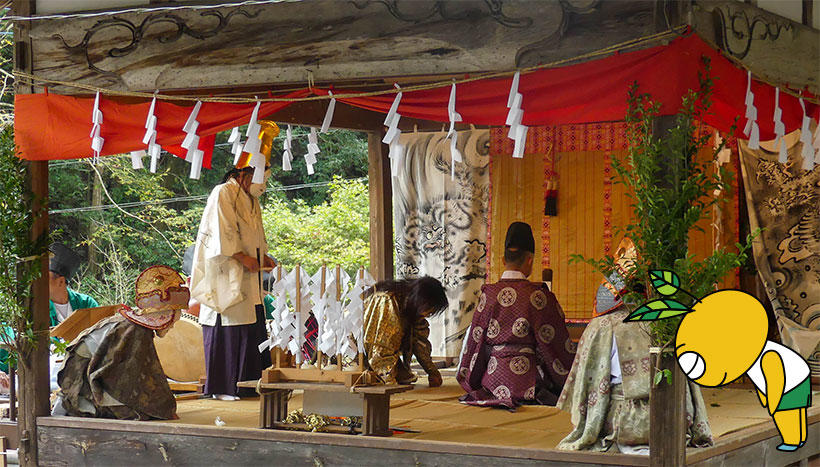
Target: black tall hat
63	260
519	237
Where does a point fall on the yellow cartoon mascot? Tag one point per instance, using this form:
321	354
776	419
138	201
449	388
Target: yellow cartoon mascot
722	337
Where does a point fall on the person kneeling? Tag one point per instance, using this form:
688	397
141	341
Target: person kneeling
111	369
396	328
518	349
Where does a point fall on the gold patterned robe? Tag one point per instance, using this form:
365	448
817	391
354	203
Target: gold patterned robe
389	350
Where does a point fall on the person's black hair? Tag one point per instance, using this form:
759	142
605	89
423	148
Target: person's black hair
414	296
515	257
234	173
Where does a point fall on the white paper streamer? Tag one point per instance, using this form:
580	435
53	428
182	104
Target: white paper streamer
329	114
191	124
805	137
312	150
396	156
150	137
286	329
751	130
191	142
817	143
136	159
518	132
236	142
97	141
455	154
253	146
353	317
779	129
391	136
280	303
287	154
520	141
513	89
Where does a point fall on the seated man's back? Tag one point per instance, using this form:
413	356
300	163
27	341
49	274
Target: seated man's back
518	350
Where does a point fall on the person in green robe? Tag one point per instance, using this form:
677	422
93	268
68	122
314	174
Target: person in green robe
63	301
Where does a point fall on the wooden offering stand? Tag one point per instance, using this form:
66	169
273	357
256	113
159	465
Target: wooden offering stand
280	379
281	371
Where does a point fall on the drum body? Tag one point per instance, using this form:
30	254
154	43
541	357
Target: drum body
181	351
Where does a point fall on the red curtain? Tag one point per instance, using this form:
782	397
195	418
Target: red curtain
51	126
596	91
57	127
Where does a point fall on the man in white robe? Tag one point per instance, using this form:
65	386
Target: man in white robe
226	276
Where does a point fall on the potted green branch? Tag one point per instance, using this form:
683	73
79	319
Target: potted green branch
671	191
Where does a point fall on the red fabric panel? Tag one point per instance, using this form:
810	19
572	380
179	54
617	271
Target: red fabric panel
58	127
596	91
51	126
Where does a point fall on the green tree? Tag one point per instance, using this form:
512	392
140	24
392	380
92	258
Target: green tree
671	192
19	254
334	232
151	231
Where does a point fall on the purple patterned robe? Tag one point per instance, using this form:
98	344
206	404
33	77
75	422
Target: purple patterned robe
518	349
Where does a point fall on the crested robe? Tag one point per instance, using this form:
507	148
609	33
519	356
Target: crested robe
518	349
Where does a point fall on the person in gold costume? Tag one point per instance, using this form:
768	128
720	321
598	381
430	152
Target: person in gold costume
396	327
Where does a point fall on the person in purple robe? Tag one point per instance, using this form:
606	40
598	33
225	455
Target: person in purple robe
518	350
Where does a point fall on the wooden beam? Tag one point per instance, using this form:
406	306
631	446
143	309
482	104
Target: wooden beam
348	41
72	441
312	113
778	58
381	207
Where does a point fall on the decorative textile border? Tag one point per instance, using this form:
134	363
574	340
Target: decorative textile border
489	247
607	207
607	136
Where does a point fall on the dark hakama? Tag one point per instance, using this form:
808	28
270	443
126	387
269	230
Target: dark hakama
518	350
232	355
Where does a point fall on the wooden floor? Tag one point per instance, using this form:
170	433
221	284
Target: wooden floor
448	434
437	415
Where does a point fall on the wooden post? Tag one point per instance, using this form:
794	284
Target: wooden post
376	415
4	446
338	299
277	352
667	403
667	414
297	305
319	355
361	355
33	367
381	207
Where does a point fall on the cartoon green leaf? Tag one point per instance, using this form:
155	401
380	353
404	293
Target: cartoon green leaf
665	282
661	308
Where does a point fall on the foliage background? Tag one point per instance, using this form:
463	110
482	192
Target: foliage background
309	219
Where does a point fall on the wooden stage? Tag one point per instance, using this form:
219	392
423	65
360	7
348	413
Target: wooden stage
449	433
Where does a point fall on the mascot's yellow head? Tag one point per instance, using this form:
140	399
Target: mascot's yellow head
720	336
720	339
